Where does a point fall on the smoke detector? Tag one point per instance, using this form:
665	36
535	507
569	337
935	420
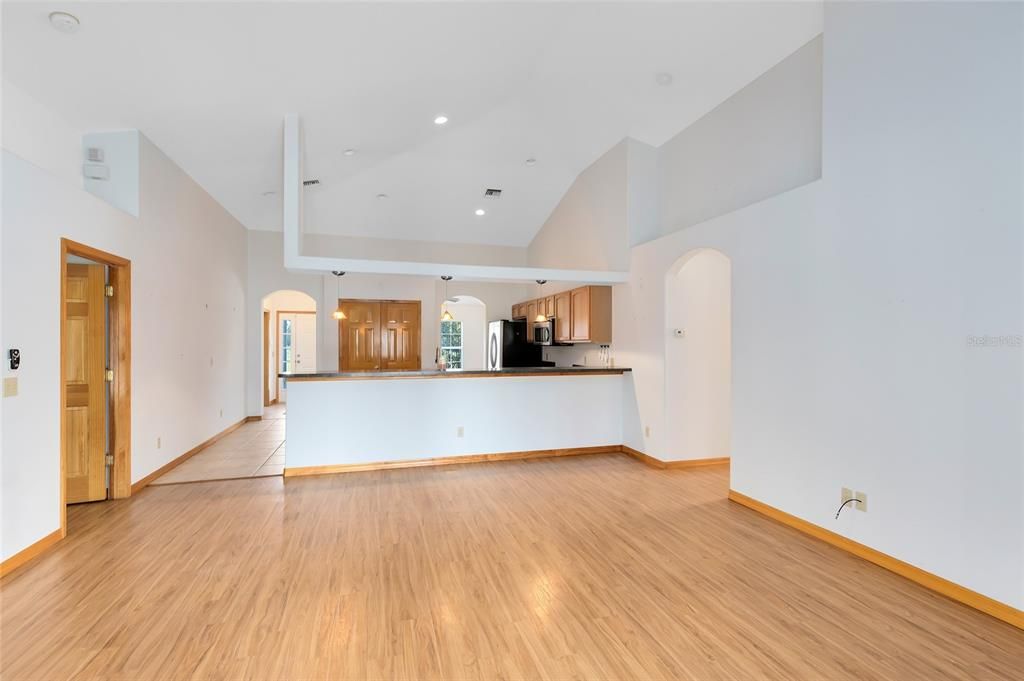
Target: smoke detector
64	22
492	193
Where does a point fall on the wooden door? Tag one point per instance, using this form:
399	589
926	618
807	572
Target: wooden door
359	336
563	317
580	314
400	336
85	388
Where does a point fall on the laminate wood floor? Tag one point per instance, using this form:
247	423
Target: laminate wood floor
591	567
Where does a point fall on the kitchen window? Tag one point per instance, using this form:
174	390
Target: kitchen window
451	343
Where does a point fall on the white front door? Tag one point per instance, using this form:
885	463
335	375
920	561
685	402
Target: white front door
305	343
296	335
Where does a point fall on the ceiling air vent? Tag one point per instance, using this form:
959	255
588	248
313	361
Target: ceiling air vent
492	193
310	183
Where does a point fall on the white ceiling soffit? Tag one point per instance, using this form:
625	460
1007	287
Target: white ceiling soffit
209	82
293	194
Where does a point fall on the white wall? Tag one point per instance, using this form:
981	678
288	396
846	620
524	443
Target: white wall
187	317
415	251
698	401
588	229
764	140
121	160
854	298
341	422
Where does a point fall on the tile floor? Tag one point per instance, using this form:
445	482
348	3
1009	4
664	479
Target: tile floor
254	450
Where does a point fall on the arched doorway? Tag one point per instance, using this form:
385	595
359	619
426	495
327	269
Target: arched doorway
465	337
289	340
698	356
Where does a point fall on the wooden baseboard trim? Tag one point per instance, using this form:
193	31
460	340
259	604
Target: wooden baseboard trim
669	465
144	482
250	419
973	599
30	552
448	460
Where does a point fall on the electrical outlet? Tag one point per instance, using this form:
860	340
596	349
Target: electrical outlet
11	386
460	431
862	501
647	431
158	443
847	495
222	413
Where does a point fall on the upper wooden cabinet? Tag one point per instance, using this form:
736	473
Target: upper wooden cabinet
582	315
531	313
563	317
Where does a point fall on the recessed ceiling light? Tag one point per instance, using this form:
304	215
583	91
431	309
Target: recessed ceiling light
350	152
531	162
382	196
441	120
481	211
663	79
64	22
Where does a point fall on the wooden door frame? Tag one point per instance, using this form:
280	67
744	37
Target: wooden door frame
277	332
119	336
382	301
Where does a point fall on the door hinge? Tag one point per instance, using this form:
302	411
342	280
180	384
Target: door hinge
109	459
109	375
108	291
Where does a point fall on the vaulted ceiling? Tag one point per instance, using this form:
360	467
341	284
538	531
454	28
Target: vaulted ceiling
557	82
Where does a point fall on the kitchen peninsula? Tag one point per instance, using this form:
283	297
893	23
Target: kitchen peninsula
351	421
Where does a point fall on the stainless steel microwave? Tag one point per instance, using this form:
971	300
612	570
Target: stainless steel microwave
544	332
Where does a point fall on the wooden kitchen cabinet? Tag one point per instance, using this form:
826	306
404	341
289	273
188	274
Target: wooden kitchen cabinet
590	314
563	317
582	315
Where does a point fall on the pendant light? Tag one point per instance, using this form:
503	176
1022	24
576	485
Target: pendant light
446	316
338	314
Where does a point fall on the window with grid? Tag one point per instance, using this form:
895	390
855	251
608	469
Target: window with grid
286	345
451	343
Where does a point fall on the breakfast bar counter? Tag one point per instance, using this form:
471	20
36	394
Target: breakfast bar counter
348	421
454	373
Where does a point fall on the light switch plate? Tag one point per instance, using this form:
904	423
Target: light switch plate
847	495
862	498
11	386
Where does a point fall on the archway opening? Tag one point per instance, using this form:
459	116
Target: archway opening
463	340
698	357
289	340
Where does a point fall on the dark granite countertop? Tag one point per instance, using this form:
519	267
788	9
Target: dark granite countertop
433	373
